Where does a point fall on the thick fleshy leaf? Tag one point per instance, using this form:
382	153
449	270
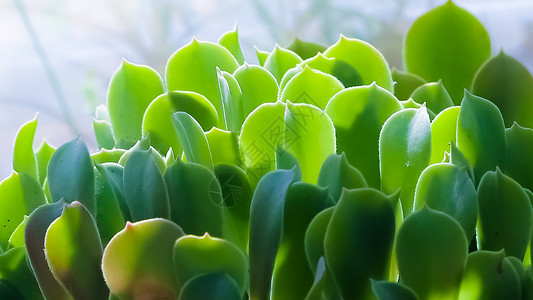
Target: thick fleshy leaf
404	152
24	160
137	261
71	175
261	56
443	132
303	201
431	250
144	145
524	275
358	114
103	130
448	188
144	187
10	291
107	156
131	90
489	276
336	173
481	134
43	155
196	201
358	241
193	67
17	237
288	76
195	255
210	286
434	94
74	253
280	60
305	49
508	84
312	87
257	85
15	271
34	236
504	215
457	158
109	213
266	228
230	41
447	43
323	286
192	138
158	117
114	176
225	145
231	95
385	290
518	165
307	127
365	59
336	67
314	238
405	83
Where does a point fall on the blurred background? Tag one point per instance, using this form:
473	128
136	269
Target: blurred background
57	56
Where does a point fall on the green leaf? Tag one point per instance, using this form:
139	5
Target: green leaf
431	250
257	85
434	94
34	236
232	103
144	187
196	201
131	90
261	56
336	67
43	155
193	139
71	175
314	238
158	117
489	276
74	253
358	114
518	165
384	290
220	286
443	132
17	275
24	160
508	84
457	158
107	156
20	194
404	151
307	127
449	189
481	134
193	67
336	173
225	145
280	60
365	59
305	49
109	213
447	43
103	130
524	275
230	41
504	215
195	255
405	83
303	201
358	241
9	291
266	228
17	237
113	175
137	261
312	87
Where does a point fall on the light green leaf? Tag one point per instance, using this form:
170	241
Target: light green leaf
131	90
358	241
508	84
137	261
193	67
481	134
109	213
17	237
107	156
225	145
336	173
457	158
257	85
103	130
230	41
43	155
365	59
113	175
193	139
305	49
312	87
232	103
405	83
504	215
336	67
74	253
431	250
518	162
434	94
17	274
404	151
443	132
447	43
24	160
358	114
261	56
280	60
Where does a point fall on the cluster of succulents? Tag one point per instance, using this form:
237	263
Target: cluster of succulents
319	173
